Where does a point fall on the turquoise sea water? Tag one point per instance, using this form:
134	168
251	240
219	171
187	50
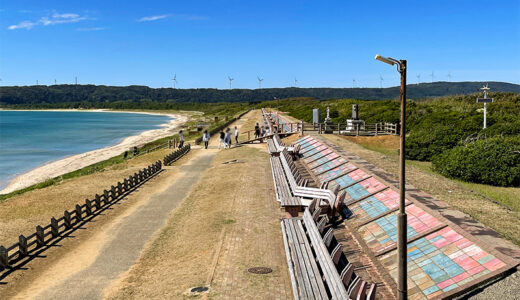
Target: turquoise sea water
29	139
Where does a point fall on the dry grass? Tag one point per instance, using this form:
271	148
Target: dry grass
388	144
20	214
249	122
230	197
457	195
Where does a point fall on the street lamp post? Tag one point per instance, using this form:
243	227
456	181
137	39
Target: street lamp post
401	217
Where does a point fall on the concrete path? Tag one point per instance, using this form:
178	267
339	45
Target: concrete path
128	238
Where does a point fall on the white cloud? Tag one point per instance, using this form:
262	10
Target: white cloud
152	18
22	25
91	29
54	19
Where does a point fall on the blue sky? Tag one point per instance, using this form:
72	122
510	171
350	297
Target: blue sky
320	43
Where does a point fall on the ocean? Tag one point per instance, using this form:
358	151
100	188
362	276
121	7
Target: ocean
29	139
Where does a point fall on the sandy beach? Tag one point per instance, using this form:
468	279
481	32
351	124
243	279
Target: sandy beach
82	160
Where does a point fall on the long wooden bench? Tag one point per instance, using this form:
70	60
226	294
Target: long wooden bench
317	265
290	203
331	197
271	147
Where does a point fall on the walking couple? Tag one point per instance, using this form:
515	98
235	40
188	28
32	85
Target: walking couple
225	138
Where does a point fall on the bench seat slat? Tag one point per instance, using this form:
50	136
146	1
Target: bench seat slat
302	265
330	273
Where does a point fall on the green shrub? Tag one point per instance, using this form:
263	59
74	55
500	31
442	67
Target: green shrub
438	132
501	129
494	161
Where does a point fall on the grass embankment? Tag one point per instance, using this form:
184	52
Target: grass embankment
496	207
21	213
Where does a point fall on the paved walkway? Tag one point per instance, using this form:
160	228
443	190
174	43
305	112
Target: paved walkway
129	237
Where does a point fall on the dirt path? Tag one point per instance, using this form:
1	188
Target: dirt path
126	239
93	263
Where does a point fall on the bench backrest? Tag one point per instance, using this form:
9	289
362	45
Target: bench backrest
334	282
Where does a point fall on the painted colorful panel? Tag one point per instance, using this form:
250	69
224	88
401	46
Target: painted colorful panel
363	188
440	262
322	160
318	155
311	146
382	233
375	205
313	151
333	169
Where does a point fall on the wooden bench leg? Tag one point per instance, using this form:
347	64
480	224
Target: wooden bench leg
291	211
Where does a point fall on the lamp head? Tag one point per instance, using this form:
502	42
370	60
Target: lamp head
385	60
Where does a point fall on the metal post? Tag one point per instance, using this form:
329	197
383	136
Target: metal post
485	111
401	218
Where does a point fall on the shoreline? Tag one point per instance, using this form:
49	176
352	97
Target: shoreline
77	161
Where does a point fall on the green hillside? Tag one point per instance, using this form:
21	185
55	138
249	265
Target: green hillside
105	96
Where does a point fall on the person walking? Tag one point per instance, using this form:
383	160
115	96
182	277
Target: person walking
205	139
262	131
228	137
221	139
236	135
181	139
257	131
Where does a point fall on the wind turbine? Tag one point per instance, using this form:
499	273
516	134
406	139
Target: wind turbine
353	83
418	78
55	82
174	81
295	82
381	81
259	82
230	80
432	76
36	81
449	76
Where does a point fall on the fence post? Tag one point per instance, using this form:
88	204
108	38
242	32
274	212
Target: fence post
22	245
377	124
4	257
113	192
301	124
97	199
357	129
66	219
119	188
338	128
106	196
88	207
78	213
54	227
40	238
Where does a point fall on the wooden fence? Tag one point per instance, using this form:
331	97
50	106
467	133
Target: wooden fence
370	129
221	127
71	218
172	157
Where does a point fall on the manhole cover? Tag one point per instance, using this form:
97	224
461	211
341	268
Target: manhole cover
199	289
260	270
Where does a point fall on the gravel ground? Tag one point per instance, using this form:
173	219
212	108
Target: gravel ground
504	289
